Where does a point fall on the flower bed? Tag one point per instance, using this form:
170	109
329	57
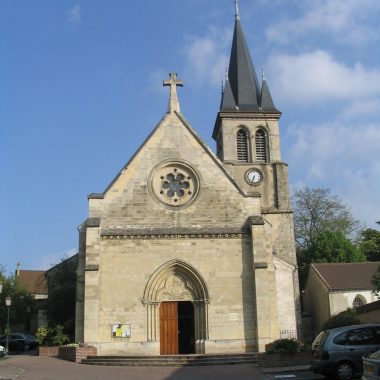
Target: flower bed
76	354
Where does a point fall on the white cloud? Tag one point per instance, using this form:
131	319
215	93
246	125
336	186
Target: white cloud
206	56
343	157
45	262
75	15
317	76
348	22
360	108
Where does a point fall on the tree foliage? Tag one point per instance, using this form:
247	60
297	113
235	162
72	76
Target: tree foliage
376	281
333	247
323	225
20	298
327	247
317	210
62	295
369	244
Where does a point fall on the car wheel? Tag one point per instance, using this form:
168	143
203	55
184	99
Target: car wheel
26	347
344	371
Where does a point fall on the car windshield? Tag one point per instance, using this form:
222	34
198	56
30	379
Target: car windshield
318	341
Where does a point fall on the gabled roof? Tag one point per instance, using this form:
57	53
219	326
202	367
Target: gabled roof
346	276
202	144
33	281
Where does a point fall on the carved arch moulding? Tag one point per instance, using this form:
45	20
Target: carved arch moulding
179	281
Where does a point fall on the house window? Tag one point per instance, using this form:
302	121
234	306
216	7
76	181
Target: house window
242	145
261	146
358	301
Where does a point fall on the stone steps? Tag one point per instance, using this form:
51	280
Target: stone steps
172	360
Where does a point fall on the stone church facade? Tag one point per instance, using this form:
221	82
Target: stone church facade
191	252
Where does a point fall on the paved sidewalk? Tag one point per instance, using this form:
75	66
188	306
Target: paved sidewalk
26	367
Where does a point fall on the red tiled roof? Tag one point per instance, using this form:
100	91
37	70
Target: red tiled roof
33	281
344	276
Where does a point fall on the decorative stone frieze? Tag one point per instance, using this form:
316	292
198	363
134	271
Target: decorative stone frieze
175	236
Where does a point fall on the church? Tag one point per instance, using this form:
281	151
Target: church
191	252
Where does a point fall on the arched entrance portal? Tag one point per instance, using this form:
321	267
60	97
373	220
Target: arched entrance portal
176	300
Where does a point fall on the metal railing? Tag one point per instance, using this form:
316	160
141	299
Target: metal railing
302	334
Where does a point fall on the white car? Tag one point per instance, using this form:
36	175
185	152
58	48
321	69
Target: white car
2	351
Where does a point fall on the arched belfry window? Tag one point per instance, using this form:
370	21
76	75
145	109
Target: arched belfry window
359	300
242	145
261	146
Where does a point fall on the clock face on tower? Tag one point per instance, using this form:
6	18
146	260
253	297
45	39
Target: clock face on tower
254	176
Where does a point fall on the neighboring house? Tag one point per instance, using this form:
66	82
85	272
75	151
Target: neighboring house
334	287
34	282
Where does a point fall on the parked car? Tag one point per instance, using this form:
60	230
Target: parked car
371	366
19	341
2	351
339	351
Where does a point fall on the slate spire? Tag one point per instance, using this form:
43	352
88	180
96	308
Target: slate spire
242	90
266	101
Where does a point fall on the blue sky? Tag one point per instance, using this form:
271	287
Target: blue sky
81	89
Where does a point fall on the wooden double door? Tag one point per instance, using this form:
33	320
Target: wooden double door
177	328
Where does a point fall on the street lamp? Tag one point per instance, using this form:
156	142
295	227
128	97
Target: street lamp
8	302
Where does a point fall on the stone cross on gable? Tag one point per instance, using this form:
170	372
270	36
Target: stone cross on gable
173	104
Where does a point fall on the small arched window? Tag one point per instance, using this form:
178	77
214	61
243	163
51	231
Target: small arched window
261	146
358	301
242	145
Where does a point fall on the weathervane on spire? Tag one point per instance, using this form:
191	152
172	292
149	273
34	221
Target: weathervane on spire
236	9
173	104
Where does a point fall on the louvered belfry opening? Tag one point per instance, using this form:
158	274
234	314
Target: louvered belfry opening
261	146
242	145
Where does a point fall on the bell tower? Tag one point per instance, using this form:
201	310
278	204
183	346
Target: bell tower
247	129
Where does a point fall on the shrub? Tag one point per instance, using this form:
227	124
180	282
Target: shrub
286	346
52	336
345	318
41	335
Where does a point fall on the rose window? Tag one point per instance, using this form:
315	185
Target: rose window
175	184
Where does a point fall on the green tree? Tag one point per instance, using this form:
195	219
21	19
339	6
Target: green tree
369	244
327	247
62	295
317	210
333	247
376	282
318	213
21	299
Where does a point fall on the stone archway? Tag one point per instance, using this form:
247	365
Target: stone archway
177	280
